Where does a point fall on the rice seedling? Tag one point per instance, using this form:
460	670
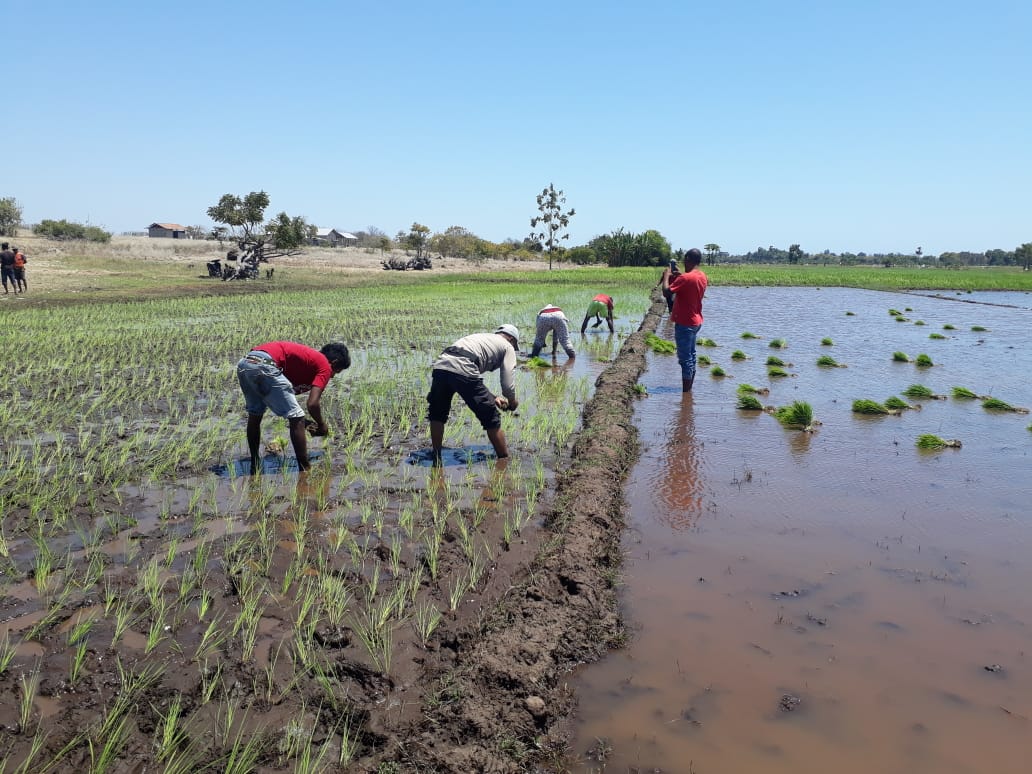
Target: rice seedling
749	403
717	372
929	441
995	404
900	357
775	361
850	314
936	336
896	403
748	388
29	686
827	361
776	373
919	322
798	414
778	344
920	391
748	335
703	360
640	390
979	328
923	361
894	313
948	327
538	362
826	342
7	652
963	393
704	342
425	621
659	345
738	355
865	406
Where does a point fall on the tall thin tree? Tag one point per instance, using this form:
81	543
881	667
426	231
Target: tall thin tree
549	228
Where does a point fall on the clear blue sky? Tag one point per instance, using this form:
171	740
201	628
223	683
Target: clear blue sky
873	125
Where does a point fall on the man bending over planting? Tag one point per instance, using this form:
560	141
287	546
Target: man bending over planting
460	369
600	305
272	374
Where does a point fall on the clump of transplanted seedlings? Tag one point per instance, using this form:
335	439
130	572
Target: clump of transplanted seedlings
963	393
739	355
866	406
640	390
948	327
901	318
707	343
936	336
896	403
775	361
923	361
827	361
778	344
717	371
748	389
850	314
827	342
919	322
979	328
929	441
538	362
894	313
659	345
748	335
704	360
920	391
900	357
995	404
748	402
798	414
774	372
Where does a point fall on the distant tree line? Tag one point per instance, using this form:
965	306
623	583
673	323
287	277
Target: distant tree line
68	230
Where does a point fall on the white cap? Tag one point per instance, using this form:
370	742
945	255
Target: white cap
510	330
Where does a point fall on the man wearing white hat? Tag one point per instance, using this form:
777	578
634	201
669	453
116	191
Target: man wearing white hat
551	318
460	369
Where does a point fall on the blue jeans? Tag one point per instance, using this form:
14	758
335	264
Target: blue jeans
684	337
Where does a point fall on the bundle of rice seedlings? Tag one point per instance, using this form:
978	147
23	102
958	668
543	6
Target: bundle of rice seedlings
919	322
748	335
894	313
923	361
659	345
978	328
799	414
538	362
948	327
826	342
776	373
901	357
850	314
748	389
920	391
929	441
707	343
995	404
963	393
775	361
717	371
749	403
778	344
865	406
895	403
703	360
936	336
827	361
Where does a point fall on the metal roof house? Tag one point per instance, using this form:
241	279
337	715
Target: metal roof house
167	230
334	237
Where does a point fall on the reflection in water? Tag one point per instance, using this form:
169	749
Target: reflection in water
680	487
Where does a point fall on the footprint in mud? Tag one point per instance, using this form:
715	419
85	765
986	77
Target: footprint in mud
271	464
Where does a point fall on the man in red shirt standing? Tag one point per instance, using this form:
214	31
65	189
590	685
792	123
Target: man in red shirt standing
272	374
688	289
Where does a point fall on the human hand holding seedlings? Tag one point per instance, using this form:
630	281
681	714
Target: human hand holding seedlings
502	402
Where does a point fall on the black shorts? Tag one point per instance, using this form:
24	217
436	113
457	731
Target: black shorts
443	387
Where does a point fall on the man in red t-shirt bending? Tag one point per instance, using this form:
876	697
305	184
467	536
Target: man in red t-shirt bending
272	374
688	289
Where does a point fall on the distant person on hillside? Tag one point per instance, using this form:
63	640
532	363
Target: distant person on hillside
19	270
551	318
7	267
600	305
688	289
270	375
460	369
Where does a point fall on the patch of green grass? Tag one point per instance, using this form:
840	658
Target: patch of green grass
923	361
798	414
538	362
749	403
659	345
865	406
738	355
775	361
827	361
929	441
826	342
936	336
963	393
900	357
778	344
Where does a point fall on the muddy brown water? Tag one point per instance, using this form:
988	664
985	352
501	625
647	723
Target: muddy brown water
839	601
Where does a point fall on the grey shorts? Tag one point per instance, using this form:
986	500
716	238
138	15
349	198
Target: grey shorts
265	387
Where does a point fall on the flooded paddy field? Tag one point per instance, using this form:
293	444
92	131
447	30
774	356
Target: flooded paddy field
839	600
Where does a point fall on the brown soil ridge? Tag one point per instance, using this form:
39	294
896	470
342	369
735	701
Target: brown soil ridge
499	705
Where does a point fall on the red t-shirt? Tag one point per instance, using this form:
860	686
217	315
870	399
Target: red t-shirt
303	366
688	290
607	300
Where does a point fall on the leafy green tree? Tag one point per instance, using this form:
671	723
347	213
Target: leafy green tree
243	220
581	255
417	238
67	230
1024	255
711	252
795	253
10	216
454	241
549	228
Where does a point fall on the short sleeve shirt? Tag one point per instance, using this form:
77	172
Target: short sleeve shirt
303	366
688	290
